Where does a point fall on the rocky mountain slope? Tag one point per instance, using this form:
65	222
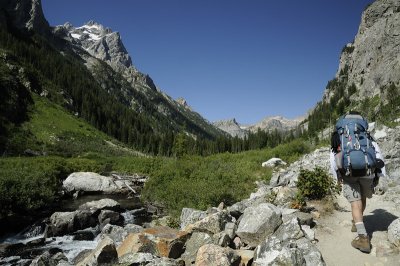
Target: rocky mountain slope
368	77
103	44
372	61
232	127
24	15
88	71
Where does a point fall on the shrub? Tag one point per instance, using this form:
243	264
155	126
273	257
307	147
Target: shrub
29	183
316	184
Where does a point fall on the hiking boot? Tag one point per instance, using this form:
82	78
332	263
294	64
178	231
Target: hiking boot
362	243
353	227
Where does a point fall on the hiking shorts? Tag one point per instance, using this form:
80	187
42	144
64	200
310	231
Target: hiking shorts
356	188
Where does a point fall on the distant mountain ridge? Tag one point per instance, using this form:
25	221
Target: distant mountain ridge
279	123
268	124
231	127
103	44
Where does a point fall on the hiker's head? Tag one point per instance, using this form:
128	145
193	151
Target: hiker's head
354	112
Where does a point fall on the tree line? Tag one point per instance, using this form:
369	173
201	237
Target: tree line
68	82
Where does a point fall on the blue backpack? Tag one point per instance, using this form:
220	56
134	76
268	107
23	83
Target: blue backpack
356	155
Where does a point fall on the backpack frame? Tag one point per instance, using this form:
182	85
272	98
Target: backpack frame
356	156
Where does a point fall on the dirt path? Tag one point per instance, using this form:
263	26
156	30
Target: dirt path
334	235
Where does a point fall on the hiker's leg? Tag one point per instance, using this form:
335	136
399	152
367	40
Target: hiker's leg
366	191
352	192
364	204
357	211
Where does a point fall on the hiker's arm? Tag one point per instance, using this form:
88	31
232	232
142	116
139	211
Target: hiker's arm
379	156
333	164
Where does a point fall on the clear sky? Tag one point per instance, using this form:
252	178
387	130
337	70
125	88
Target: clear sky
243	59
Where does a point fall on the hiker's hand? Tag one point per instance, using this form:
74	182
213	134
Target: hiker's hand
340	183
375	182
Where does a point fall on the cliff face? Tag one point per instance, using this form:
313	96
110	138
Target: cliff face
25	15
372	61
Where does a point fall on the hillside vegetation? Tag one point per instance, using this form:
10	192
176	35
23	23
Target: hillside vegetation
191	181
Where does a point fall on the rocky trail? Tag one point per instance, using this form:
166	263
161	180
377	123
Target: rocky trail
334	235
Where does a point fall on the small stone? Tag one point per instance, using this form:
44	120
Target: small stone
315	214
237	242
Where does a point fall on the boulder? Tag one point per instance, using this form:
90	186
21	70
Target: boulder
310	252
47	259
104	253
61	223
237	242
289	176
303	217
289	230
115	232
84	219
258	223
394	232
212	224
190	216
132	244
136	258
273	251
165	262
163	221
284	196
308	232
273	162
98	205
86	234
197	240
90	182
263	195
160	241
215	255
167	242
246	257
133	228
230	230
221	239
111	217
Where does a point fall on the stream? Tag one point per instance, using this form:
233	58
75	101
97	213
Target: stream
22	247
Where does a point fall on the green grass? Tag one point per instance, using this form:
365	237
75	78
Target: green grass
201	182
49	120
54	131
191	181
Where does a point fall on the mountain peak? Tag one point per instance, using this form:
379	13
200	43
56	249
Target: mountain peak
100	42
232	127
277	122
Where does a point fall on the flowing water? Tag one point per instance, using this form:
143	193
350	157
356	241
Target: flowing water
31	241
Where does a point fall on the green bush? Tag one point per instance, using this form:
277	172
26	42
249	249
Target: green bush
29	183
315	184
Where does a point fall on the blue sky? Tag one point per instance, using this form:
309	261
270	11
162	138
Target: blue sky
228	58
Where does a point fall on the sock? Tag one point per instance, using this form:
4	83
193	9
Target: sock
361	229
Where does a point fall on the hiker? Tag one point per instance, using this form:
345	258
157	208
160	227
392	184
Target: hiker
357	163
